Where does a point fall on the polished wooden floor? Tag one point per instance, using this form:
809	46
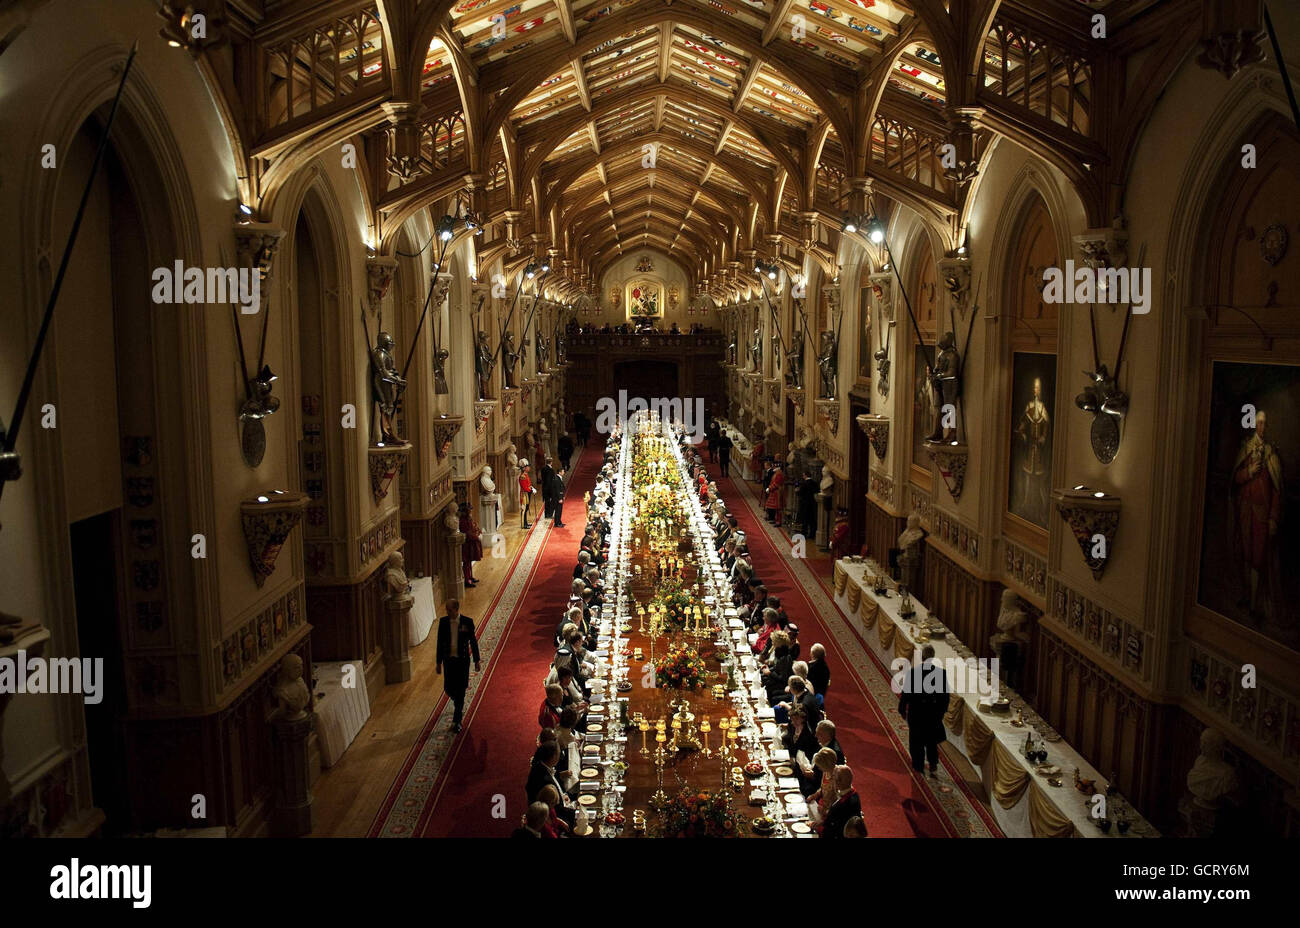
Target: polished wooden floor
348	795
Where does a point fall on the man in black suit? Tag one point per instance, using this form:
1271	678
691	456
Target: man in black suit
547	478
542	773
923	702
724	444
557	497
453	657
846	806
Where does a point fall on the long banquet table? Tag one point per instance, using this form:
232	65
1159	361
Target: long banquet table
1024	803
626	779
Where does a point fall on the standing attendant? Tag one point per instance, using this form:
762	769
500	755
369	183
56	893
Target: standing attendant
546	477
472	549
922	703
557	498
773	501
526	490
456	643
724	444
565	450
807	494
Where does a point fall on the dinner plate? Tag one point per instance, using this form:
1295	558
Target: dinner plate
589	773
784	771
586	799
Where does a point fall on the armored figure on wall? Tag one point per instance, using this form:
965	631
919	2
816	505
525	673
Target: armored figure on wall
483	364
946	386
440	356
827	364
543	353
387	386
756	349
510	355
794	364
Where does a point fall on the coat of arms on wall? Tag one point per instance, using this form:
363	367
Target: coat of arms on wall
645	298
645	265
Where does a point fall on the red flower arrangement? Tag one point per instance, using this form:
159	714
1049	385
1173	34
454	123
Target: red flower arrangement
680	668
698	815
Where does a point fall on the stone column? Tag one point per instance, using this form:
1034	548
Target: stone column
825	513
293	814
397	637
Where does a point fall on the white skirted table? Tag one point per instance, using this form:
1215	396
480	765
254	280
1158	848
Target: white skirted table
1024	803
340	711
422	610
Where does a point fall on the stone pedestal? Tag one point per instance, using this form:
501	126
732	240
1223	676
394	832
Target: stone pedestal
489	514
292	814
453	570
397	638
825	501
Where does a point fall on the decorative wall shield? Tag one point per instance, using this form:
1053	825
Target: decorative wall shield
268	519
385	461
950	458
1093	517
876	428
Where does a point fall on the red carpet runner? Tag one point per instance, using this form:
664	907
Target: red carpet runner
490	758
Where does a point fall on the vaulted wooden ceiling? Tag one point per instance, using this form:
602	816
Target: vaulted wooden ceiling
710	129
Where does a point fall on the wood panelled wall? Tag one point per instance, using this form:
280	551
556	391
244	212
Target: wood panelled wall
881	531
966	604
224	756
346	621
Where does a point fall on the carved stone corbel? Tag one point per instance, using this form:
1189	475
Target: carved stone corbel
405	159
1093	518
1104	247
962	123
955	276
379	276
876	428
385	463
483	410
950	458
444	430
882	288
256	243
268	519
829	412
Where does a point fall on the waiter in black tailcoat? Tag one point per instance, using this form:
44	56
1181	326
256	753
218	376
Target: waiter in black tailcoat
454	652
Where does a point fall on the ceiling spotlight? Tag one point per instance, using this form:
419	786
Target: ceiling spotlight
850	225
530	271
546	266
876	231
771	273
246	209
446	228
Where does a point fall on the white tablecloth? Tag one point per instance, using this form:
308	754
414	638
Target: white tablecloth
340	711
854	597
422	613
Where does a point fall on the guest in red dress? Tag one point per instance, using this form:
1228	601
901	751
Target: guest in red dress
472	549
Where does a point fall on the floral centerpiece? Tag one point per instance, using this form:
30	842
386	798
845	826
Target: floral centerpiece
675	602
680	668
698	815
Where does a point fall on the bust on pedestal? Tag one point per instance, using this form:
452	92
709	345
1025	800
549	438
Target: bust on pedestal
489	504
397	620
1010	642
291	723
512	472
453	571
911	551
826	499
1213	788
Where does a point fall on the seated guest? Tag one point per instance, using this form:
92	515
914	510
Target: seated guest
847	804
798	737
572	694
777	676
793	631
555	826
548	716
584	559
570	742
755	617
535	821
761	643
819	675
542	773
802	695
823	797
810	775
855	828
782	619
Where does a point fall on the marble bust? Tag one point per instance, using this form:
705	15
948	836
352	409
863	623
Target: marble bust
1212	781
399	587
291	693
486	482
451	521
1012	622
910	545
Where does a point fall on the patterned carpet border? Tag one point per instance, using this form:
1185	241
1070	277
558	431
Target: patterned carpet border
413	788
961	810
